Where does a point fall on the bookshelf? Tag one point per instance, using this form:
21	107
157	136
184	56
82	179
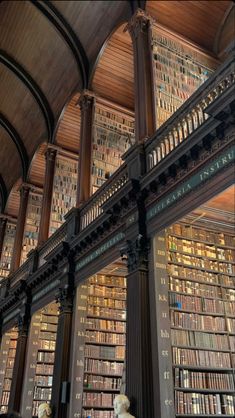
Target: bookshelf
40	360
7	249
64	189
179	69
112	132
7	359
32	223
100	346
200	276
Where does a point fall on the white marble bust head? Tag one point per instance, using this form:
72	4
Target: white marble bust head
44	410
121	405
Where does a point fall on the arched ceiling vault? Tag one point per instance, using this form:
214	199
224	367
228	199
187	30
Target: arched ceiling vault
48	52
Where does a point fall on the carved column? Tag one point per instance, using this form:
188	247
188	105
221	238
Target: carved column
24	196
84	173
3	223
50	156
139	28
18	370
138	360
60	389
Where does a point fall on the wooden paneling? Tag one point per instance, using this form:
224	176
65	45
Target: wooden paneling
9	165
13	202
38	167
196	20
20	108
93	21
114	75
226	34
39	48
68	133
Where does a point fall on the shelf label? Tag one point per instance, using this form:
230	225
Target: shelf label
195	180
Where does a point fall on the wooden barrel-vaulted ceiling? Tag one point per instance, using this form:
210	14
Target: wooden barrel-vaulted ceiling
52	50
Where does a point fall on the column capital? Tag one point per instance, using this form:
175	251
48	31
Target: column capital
24	190
23	322
86	99
50	154
64	296
136	253
139	23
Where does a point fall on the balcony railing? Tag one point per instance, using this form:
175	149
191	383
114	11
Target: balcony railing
190	116
93	208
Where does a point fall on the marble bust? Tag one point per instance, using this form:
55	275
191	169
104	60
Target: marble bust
121	405
44	411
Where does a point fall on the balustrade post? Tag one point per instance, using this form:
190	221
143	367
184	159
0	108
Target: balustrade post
43	234
139	28
3	222
61	384
17	248
85	102
23	322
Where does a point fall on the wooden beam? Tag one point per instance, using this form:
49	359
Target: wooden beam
3	194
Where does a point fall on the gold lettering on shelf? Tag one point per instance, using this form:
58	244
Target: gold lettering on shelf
83	297
161	252
161	239
30	392
164	314
81	308
78	396
163	280
28	408
162	298
32	366
80	363
165	333
165	353
77	415
161	266
168	402
166	375
82	320
30	379
78	379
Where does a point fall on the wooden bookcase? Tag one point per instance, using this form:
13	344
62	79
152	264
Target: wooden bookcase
179	69
8	243
99	346
7	359
40	360
64	189
113	129
201	293
32	223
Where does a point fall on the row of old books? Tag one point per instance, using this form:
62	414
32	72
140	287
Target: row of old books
197	233
203	358
200	339
185	378
201	404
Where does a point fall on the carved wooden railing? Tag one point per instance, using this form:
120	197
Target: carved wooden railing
55	239
190	116
93	208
